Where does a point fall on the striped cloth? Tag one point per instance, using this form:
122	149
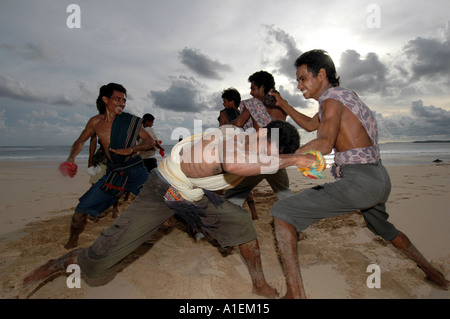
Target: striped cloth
124	133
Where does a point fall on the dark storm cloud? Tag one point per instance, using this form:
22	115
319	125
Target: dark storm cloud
362	75
296	99
431	115
373	74
32	51
202	64
428	57
420	58
423	121
395	76
284	64
183	95
17	90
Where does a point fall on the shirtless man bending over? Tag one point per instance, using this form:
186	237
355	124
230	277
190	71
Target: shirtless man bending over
185	184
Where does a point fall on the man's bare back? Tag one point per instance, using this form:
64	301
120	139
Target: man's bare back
276	113
236	157
192	169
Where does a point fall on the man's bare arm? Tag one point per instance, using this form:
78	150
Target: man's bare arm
328	130
222	119
307	123
78	145
157	145
241	119
147	143
245	163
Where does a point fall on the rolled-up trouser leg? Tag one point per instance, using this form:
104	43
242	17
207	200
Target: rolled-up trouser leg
134	226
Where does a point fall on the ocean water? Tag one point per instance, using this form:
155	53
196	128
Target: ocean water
400	154
392	154
408	153
47	153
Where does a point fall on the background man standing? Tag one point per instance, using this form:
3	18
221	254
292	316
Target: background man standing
117	131
254	115
149	155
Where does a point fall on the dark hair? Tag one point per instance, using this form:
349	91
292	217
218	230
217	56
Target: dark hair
108	90
232	95
316	60
148	117
289	139
263	78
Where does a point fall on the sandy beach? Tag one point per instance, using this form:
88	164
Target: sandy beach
37	204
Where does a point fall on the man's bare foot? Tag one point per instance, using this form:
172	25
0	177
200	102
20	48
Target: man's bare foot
266	291
72	243
435	277
39	275
292	296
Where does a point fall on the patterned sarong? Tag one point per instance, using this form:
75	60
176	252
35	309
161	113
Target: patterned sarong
257	111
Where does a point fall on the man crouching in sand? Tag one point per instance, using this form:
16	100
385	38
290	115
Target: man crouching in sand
184	184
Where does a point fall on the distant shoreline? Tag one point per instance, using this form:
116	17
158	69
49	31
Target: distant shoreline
169	145
431	141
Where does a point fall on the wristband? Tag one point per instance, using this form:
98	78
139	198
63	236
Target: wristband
316	168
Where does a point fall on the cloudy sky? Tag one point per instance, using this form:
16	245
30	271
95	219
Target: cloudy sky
176	57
